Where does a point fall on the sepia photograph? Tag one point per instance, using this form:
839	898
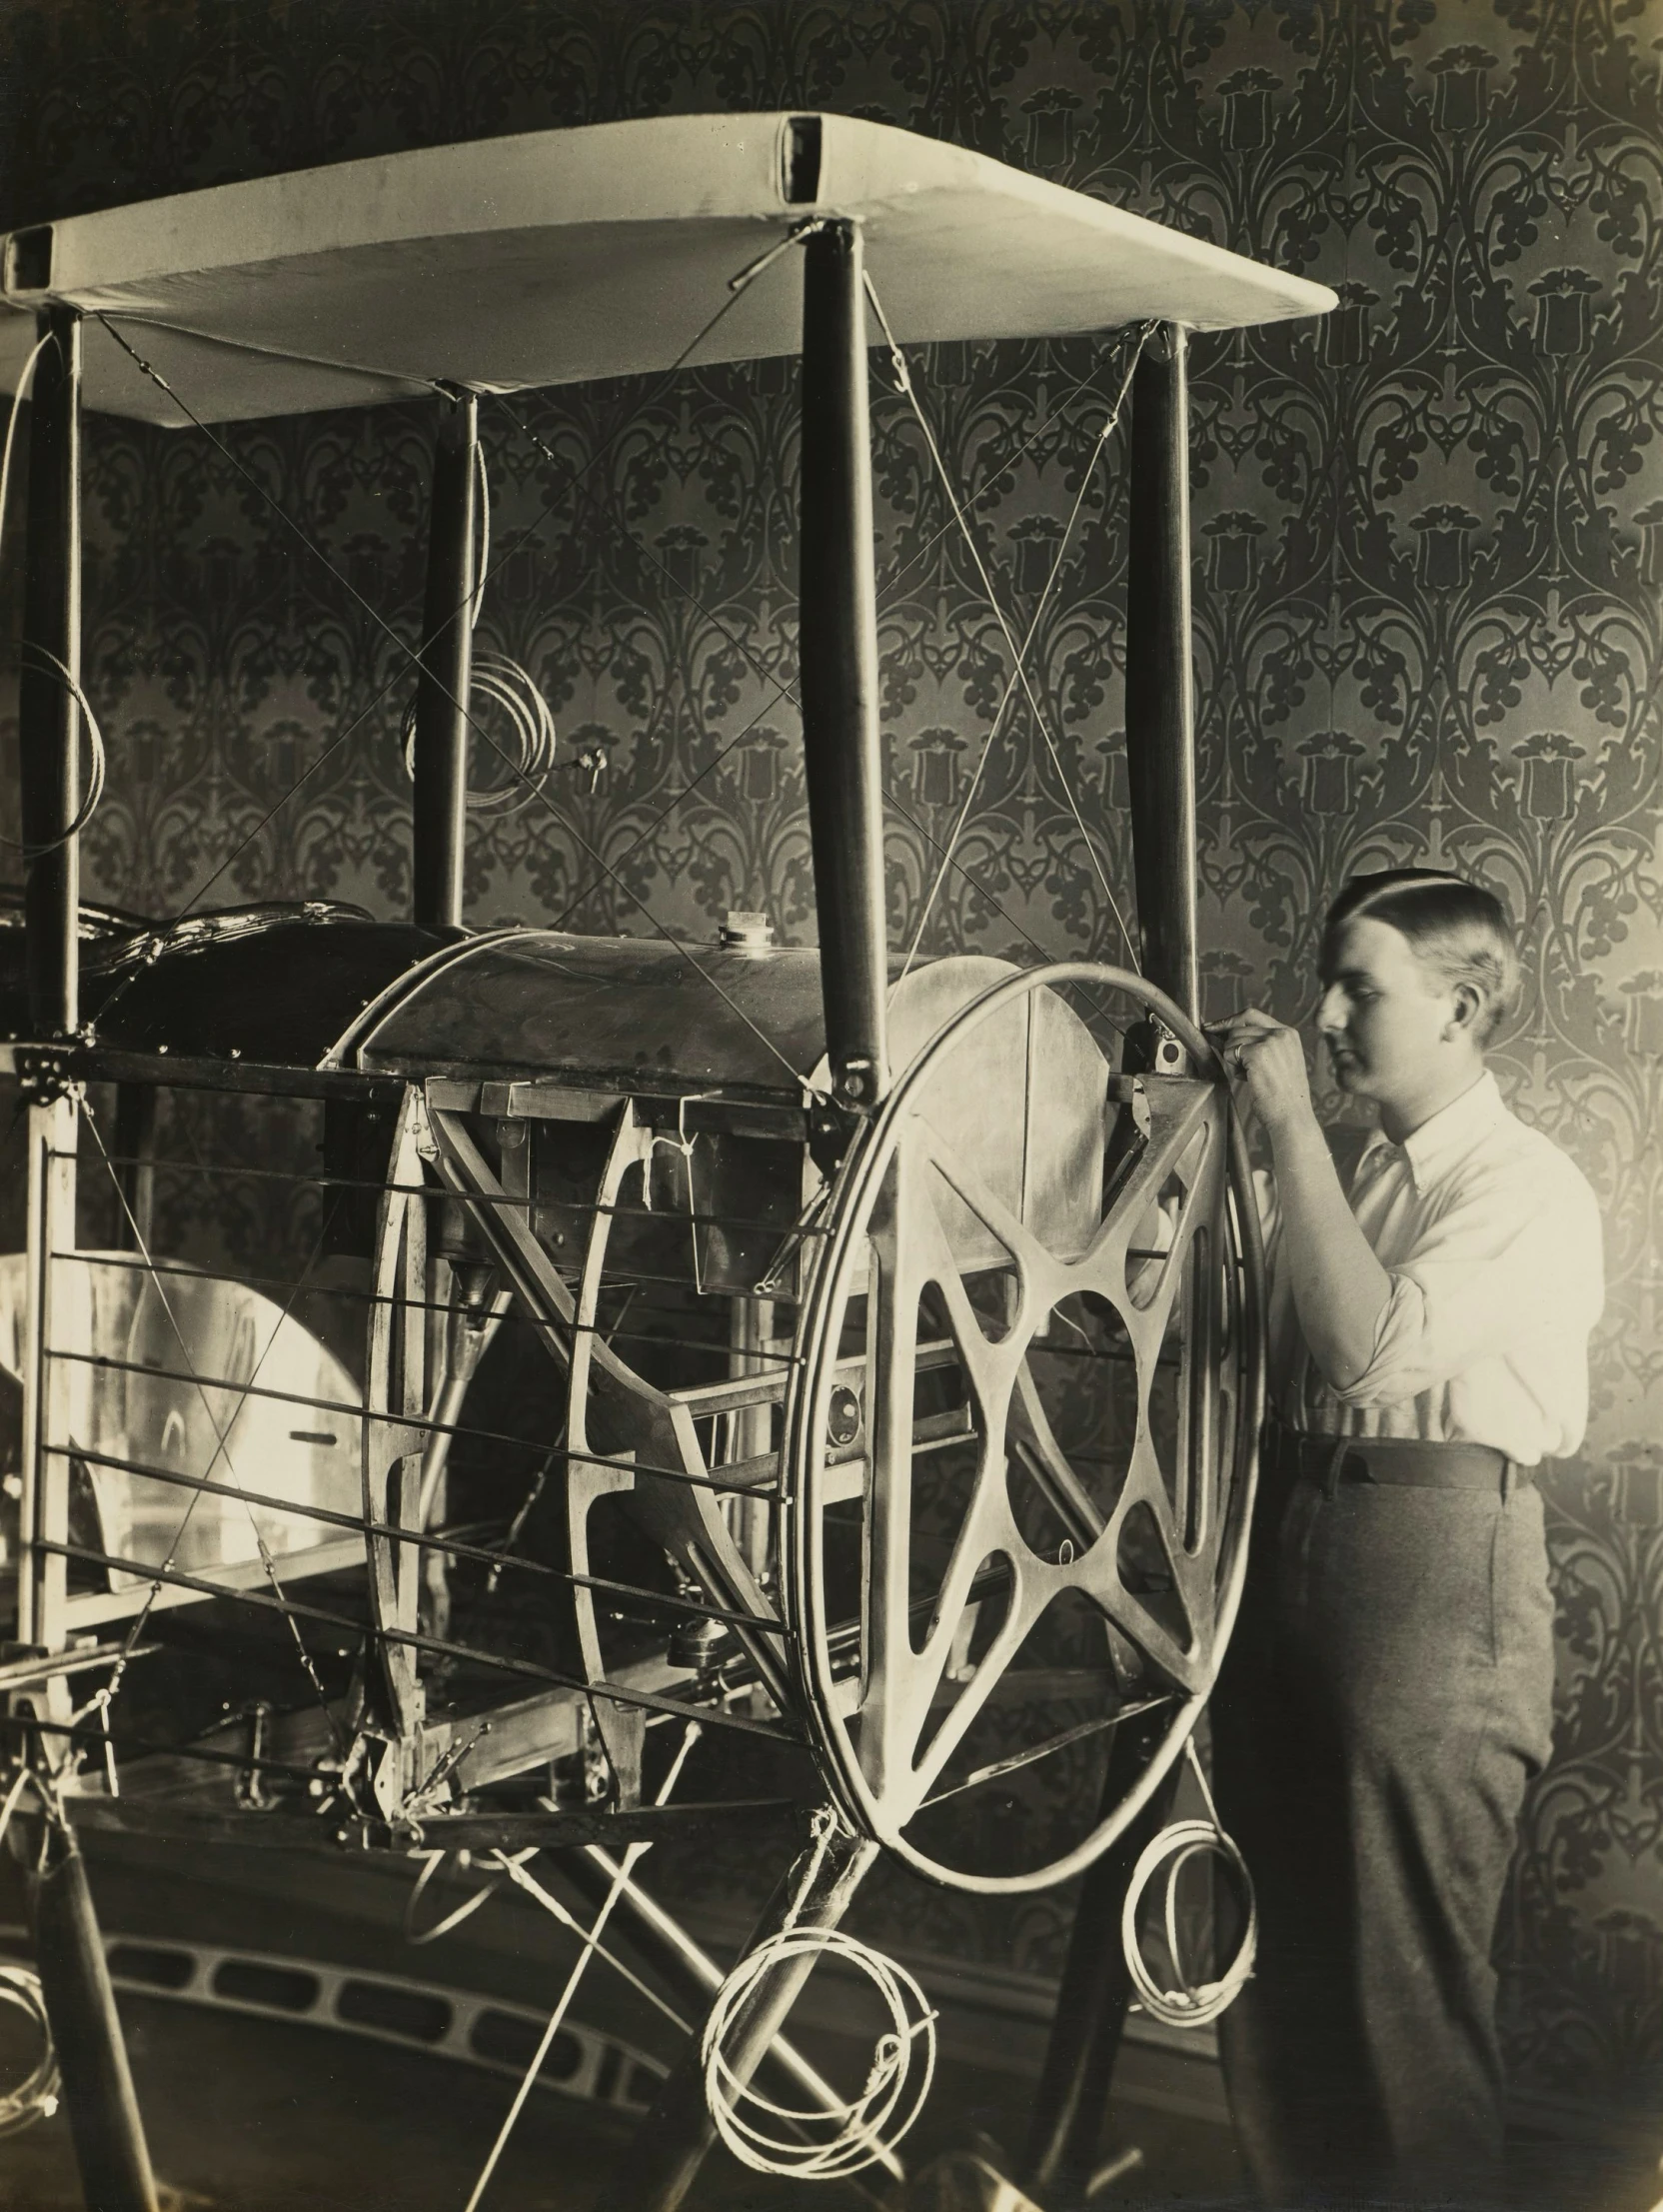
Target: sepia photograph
830	1082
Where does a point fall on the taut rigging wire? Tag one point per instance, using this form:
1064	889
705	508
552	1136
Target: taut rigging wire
1018	653
631	1858
222	1450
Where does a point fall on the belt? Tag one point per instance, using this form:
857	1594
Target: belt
1411	1460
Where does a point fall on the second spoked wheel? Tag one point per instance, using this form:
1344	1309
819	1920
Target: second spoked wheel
1020	1439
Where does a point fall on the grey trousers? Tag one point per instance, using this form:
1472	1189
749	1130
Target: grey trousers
1386	1698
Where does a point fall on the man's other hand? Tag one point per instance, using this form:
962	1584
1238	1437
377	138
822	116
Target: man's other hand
1266	1064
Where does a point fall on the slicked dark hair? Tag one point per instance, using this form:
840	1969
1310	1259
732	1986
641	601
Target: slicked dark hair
1455	927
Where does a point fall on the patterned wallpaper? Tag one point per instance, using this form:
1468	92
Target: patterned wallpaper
1429	540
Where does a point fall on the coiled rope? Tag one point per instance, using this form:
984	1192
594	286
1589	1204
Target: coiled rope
508	686
863	2131
36	2096
39	657
1197	2003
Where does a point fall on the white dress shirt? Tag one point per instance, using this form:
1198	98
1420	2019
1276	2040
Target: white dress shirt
1491	1238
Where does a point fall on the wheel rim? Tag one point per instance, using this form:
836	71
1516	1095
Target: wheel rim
897	1707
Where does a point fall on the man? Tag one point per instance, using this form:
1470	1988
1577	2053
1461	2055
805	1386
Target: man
1389	1693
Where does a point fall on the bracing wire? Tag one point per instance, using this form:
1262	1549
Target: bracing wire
414	653
1018	653
575	475
515	1870
222	1450
786	692
782	690
631	1857
382	691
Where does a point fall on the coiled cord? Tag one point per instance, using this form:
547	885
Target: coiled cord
39	657
866	2129
508	686
1197	2003
35	2097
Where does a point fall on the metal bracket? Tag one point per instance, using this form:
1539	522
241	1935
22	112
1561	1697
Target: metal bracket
43	1075
831	1126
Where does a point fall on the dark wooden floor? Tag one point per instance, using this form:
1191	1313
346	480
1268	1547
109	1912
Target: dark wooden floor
263	2116
254	2114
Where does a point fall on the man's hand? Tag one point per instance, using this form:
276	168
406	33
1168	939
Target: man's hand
1266	1064
1341	1289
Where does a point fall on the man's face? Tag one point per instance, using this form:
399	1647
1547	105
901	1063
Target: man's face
1385	1013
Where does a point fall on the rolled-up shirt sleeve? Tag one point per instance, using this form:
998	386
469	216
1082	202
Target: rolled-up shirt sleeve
1512	1262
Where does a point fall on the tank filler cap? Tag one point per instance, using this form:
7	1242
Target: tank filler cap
752	933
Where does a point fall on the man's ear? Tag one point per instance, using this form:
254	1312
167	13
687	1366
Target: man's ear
1466	1015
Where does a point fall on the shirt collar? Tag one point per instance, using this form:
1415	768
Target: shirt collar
1440	1139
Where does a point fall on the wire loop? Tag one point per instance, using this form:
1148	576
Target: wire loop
867	2128
47	662
36	2096
508	686
1196	2005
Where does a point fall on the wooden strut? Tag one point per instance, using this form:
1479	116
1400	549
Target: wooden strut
107	2133
1160	684
47	715
843	763
669	2147
837	631
438	761
103	2112
1161	758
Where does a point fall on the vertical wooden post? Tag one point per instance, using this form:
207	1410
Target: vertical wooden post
1161	758
1161	690
75	1982
440	760
104	2121
49	721
1095	1990
837	631
43	1510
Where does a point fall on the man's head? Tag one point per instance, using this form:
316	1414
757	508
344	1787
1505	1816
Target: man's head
1418	971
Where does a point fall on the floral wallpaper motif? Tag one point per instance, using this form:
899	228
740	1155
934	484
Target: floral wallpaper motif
1429	544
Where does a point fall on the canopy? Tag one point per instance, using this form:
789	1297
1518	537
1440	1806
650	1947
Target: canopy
557	256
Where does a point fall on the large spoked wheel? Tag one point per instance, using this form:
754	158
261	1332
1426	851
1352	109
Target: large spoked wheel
1022	1439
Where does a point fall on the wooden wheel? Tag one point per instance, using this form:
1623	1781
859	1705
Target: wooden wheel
1021	1437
